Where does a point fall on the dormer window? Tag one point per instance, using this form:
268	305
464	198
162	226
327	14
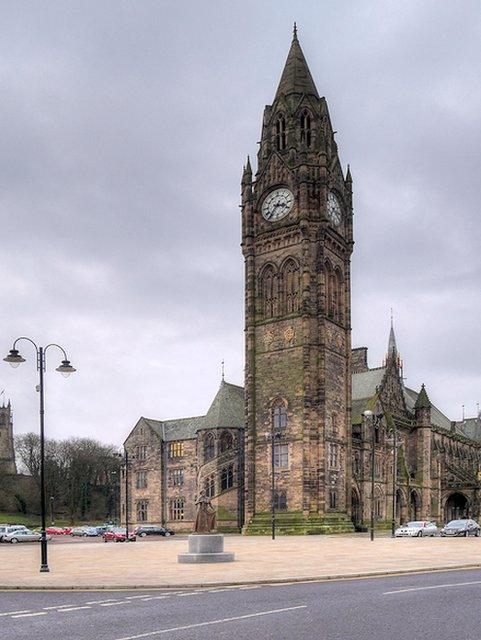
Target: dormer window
281	133
306	128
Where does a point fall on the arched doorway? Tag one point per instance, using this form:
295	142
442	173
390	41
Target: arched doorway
456	506
414	506
356	510
400	507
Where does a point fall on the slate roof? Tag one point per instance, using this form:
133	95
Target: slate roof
437	417
364	383
471	428
226	410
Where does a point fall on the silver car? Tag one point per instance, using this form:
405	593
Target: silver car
22	535
5	529
416	529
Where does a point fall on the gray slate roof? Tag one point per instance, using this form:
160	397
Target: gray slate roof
437	417
364	383
296	77
226	410
471	428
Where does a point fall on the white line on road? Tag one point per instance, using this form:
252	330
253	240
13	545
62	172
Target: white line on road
211	622
134	597
57	606
114	604
11	613
100	601
254	586
154	598
73	609
191	593
30	615
435	586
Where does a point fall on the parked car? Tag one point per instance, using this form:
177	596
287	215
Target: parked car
417	529
5	529
461	528
118	534
55	531
22	535
152	530
84	532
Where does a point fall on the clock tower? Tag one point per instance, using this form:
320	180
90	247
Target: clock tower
297	242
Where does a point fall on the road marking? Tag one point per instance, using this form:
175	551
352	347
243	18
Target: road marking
211	622
73	609
11	613
29	615
101	601
57	606
113	604
134	597
154	598
254	586
435	586
216	590
190	593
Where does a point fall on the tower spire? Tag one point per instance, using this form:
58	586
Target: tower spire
296	77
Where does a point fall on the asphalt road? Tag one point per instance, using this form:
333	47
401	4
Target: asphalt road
435	606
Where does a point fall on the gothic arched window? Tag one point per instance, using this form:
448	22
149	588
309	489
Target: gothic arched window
279	416
280	500
209	446
281	133
226	441
306	127
227	478
209	486
330	285
269	292
290	287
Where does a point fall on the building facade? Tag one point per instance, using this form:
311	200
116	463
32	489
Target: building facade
296	439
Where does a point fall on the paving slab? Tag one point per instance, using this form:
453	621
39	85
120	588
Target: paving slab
153	564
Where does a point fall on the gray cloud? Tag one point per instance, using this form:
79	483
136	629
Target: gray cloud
124	127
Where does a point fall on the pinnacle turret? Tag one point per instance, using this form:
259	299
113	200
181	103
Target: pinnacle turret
296	77
423	401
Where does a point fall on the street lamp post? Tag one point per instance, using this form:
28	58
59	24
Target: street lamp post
375	420
65	368
127	462
272	436
51	511
393	441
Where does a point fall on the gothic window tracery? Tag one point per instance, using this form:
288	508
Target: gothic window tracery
269	292
226	441
334	287
209	486
227	478
281	133
290	287
209	446
306	127
279	416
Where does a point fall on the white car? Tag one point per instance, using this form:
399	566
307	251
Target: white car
23	535
5	529
417	529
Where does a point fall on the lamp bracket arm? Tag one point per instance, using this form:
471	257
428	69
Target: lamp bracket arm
28	340
53	344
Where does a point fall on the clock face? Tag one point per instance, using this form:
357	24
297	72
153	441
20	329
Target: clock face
334	209
277	204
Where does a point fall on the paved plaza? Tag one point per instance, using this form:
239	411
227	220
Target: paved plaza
258	559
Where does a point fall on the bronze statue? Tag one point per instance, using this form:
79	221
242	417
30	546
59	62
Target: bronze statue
205	520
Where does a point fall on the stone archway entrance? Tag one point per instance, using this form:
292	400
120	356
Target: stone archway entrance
356	509
400	507
414	506
456	506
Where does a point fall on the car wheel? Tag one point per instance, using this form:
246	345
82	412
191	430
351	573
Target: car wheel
167	533
420	534
14	540
466	534
477	533
142	535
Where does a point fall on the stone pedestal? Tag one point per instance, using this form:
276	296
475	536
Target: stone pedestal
206	548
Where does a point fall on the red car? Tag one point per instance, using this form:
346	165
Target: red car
58	531
118	534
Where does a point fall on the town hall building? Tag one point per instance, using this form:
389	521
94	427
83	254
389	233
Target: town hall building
296	438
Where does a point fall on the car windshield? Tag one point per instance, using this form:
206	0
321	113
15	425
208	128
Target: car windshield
415	525
457	523
118	530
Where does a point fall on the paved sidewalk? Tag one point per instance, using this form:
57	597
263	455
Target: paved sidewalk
258	559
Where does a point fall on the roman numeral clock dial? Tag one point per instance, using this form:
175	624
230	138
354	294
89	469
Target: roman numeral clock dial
277	204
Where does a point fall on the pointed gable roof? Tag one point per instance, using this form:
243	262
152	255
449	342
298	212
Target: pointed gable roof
423	401
296	77
227	408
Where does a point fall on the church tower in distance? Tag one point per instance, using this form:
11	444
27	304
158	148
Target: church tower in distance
7	452
297	242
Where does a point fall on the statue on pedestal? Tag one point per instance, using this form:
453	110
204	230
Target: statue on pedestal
205	520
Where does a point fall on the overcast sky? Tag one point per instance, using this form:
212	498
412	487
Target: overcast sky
124	127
